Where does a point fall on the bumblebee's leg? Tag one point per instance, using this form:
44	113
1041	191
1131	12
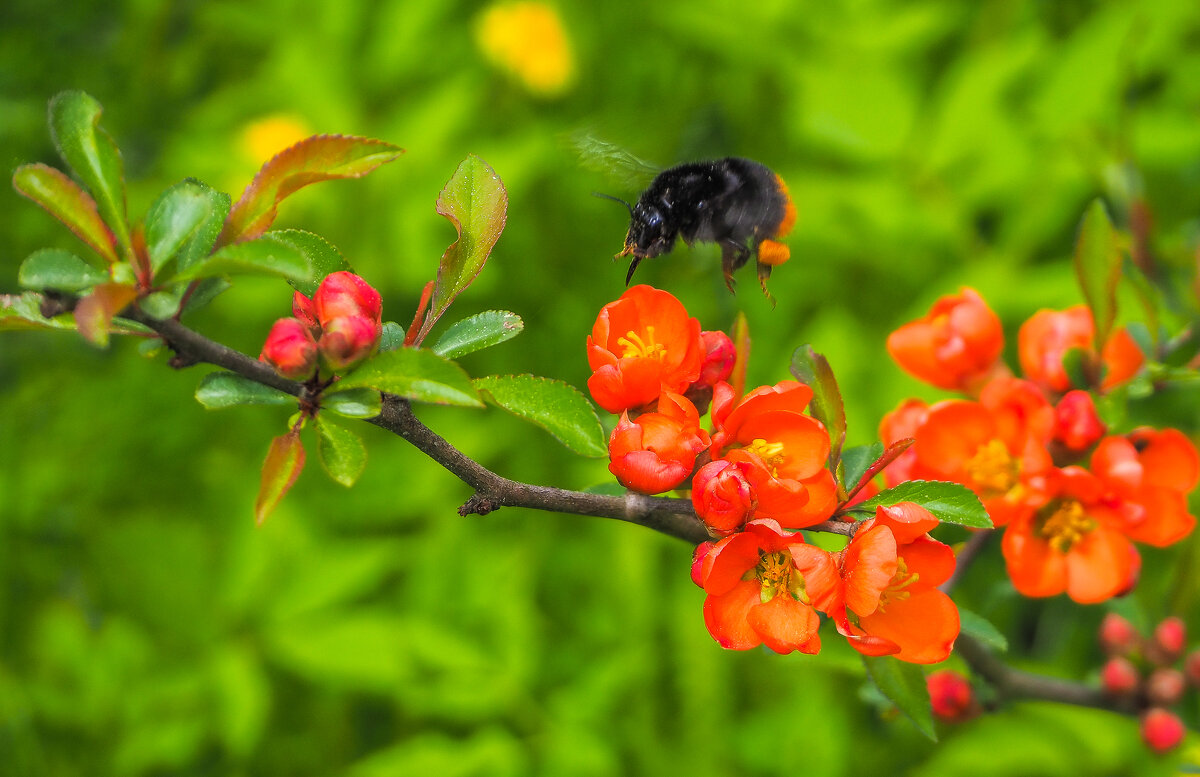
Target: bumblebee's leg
764	272
733	256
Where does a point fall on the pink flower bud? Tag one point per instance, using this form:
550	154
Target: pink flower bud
1120	677
722	496
347	340
719	356
344	294
302	308
290	349
1170	636
1165	686
1077	425
1162	730
951	695
1117	635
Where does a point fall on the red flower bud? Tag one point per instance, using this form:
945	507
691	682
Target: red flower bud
348	340
1165	686
951	695
656	452
1077	425
1117	635
722	496
1170	637
290	349
1162	730
719	356
1119	676
344	294
302	308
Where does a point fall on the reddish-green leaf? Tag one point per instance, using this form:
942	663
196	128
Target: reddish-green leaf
62	197
1098	266
885	458
285	460
184	223
475	202
812	369
93	156
319	158
741	343
53	268
94	313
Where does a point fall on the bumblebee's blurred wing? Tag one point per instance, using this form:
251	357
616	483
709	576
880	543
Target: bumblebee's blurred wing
622	168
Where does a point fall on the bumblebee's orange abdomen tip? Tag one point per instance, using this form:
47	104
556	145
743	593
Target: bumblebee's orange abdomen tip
772	253
789	211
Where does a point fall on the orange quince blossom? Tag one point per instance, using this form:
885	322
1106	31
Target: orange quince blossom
1069	545
899	424
987	451
952	346
1047	336
784	451
892	569
765	586
1147	477
657	451
641	345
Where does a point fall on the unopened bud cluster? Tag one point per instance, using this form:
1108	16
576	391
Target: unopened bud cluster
1146	672
335	330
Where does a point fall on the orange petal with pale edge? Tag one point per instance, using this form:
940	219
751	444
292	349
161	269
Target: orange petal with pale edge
868	565
1165	519
1099	566
924	626
784	623
1035	569
933	562
1170	460
725	616
728	560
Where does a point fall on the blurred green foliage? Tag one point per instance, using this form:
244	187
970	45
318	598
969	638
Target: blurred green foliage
148	628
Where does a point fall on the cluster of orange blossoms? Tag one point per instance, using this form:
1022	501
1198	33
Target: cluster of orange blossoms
757	475
1019	444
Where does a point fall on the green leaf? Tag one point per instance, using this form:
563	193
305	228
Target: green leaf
227	389
183	224
904	684
812	369
342	452
553	405
204	292
285	460
949	502
353	403
856	461
63	199
162	304
415	373
93	156
94	313
321	254
482	330
475	202
23	311
1098	266
392	337
981	629
1079	366
53	268
264	256
319	158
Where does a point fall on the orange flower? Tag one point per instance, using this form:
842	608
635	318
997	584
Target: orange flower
765	586
1047	336
784	451
722	496
1068	546
892	569
990	452
642	345
657	451
1146	478
902	423
953	346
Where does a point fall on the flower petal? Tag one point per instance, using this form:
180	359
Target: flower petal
924	626
1099	566
784	623
725	616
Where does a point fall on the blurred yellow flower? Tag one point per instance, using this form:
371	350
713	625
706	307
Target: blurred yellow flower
528	40
267	136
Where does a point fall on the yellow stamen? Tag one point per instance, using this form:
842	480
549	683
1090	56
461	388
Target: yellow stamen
637	347
895	592
772	454
1064	523
993	470
778	574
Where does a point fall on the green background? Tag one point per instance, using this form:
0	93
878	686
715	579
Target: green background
148	628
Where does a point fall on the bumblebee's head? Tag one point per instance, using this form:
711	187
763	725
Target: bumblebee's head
648	235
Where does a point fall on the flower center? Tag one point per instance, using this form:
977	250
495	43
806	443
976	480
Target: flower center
1063	523
897	590
771	453
777	574
637	347
993	470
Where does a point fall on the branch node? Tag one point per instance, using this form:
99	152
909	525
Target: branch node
478	505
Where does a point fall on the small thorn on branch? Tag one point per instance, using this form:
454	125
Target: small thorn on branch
478	505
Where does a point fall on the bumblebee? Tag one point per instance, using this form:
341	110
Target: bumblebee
737	203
